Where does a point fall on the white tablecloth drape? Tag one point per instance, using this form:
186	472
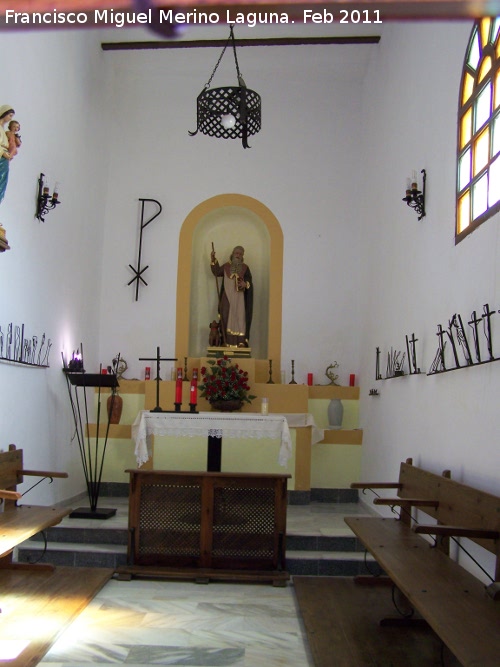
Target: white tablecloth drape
231	425
301	419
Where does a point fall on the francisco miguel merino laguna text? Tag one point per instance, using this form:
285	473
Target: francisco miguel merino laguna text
120	19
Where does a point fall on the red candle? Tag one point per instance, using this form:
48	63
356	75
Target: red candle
193	393
310	379
178	386
352	380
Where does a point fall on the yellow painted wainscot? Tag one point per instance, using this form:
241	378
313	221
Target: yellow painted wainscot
332	463
336	461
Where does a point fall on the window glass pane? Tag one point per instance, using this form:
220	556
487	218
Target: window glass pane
483	107
474	52
494	183
466	128
464	170
480	197
495	139
463	218
485	68
481	151
497	89
485	31
468	87
496	28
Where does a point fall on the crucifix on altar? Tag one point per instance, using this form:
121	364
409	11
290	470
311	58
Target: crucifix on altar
158	358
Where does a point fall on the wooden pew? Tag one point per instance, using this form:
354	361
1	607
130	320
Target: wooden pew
20	522
463	611
28	592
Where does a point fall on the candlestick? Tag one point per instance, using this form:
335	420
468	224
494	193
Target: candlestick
178	387
193	391
270	381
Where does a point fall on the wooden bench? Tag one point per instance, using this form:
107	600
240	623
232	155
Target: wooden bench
35	590
462	611
20	522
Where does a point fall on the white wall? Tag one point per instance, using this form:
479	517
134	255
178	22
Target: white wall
303	166
414	276
50	278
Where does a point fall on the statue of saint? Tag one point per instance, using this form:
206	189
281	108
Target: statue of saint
235	298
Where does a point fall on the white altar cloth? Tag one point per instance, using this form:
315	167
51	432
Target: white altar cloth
218	424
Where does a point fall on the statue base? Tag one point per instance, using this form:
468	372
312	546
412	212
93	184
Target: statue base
236	352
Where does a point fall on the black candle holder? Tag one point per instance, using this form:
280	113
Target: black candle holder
415	198
192	408
270	381
45	202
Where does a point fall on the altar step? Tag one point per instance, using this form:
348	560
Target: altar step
337	556
318	542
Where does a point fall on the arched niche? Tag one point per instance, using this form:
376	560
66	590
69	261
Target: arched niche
226	221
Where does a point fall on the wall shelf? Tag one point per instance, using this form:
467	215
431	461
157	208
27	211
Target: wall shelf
461	368
330	391
343	436
23	363
397	377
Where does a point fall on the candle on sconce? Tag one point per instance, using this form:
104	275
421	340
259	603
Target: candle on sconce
178	386
56	192
408	187
414	184
193	391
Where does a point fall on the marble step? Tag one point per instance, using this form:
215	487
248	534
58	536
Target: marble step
317	563
317	542
119	536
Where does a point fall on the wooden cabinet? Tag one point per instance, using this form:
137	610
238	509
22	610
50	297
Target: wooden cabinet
207	525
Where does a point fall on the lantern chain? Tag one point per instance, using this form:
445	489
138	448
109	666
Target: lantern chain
229	39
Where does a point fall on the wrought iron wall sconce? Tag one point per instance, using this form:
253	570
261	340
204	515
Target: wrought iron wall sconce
230	112
415	198
45	202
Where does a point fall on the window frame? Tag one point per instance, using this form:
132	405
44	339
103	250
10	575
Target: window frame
485	35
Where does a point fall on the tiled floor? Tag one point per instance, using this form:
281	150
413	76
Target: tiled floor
146	622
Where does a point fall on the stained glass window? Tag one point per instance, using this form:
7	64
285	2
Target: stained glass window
478	160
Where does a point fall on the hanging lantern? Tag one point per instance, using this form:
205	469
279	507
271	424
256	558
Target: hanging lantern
230	112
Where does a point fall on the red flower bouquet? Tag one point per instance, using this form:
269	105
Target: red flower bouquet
223	381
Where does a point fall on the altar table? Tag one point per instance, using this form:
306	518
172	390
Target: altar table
210	424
